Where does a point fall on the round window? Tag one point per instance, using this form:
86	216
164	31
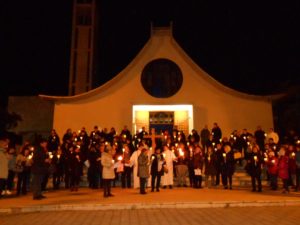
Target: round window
161	78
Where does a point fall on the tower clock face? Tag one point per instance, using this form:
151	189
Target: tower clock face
161	78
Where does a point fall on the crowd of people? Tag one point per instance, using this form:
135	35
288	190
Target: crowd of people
204	159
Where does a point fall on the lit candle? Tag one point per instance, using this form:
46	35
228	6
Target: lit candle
224	155
244	137
265	159
273	161
123	150
265	134
32	148
120	158
152	158
274	147
220	140
188	143
106	143
58	156
231	135
293	154
78	131
234	138
208	158
176	145
30	157
164	155
248	143
255	158
113	161
213	143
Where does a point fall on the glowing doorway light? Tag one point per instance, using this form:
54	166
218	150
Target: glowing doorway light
173	108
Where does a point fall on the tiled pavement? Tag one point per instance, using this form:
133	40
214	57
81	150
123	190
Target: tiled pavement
213	216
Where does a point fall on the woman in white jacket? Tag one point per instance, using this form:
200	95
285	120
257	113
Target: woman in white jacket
108	172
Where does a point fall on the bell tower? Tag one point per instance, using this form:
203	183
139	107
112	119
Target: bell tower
82	46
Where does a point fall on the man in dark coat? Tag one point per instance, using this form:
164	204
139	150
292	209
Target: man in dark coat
39	169
157	163
216	133
254	164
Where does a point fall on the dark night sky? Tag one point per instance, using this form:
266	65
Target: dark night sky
252	47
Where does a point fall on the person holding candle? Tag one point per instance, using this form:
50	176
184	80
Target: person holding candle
93	167
272	167
75	167
216	133
198	167
143	169
57	172
219	161
108	173
210	161
283	168
53	141
168	178
255	162
126	174
227	165
24	158
157	163
39	169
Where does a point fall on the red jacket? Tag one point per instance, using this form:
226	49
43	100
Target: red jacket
272	165
283	166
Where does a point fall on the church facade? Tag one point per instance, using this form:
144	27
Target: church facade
161	88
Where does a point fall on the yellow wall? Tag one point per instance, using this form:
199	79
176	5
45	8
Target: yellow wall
111	105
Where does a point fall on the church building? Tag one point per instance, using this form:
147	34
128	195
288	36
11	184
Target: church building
162	87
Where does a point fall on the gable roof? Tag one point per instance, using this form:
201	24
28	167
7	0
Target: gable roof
167	32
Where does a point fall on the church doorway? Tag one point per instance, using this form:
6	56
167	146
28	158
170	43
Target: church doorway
161	121
162	117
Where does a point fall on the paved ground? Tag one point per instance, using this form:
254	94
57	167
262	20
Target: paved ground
238	216
86	199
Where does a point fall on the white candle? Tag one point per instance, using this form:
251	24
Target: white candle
120	158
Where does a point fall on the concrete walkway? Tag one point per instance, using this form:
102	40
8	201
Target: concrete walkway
86	199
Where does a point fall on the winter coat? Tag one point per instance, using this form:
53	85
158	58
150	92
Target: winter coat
108	166
254	166
210	164
198	161
39	166
143	167
228	165
283	167
3	164
157	165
